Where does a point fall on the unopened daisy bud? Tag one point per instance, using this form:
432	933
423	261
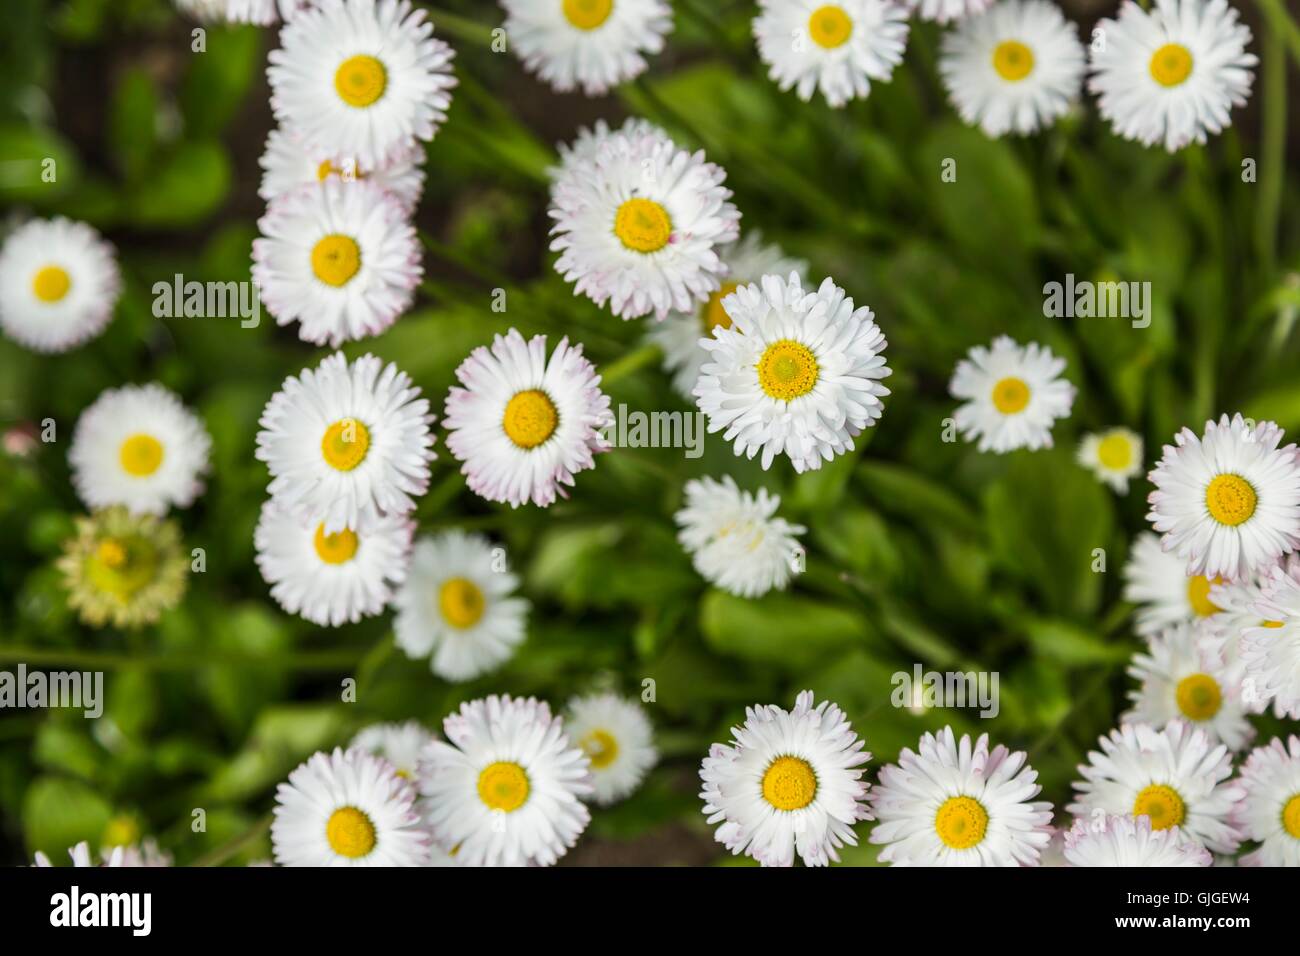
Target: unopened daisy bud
615	734
1121	840
1014	394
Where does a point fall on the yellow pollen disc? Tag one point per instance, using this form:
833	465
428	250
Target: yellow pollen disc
337	548
360	80
587	14
713	314
601	747
1291	816
830	26
350	832
51	284
1198	595
461	602
1010	395
789	783
503	786
110	553
530	418
1230	499
1013	60
787	370
961	822
643	225
1162	804
1198	696
1171	65
345	444
335	259
1115	451
140	455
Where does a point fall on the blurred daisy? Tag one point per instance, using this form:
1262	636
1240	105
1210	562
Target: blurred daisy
506	788
944	11
1175	776
591	44
457	606
525	424
361	80
140	447
1228	503
1013	395
145	855
332	578
59	283
639	223
347	808
339	257
1121	840
958	803
343	441
399	744
287	166
616	736
122	569
1269	811
1114	456
789	782
1173	73
1270	651
1158	582
735	539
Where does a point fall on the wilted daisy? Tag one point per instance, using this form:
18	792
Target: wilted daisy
457	606
347	808
639	224
615	734
944	11
506	788
59	283
789	782
1269	810
735	539
678	336
838	48
123	569
1270	651
1175	776
138	446
287	166
1013	395
1114	456
1171	74
1158	582
525	424
958	803
346	440
339	258
1108	839
361	80
1228	503
399	744
587	44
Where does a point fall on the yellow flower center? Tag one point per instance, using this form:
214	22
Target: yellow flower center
643	225
360	80
1171	65
830	26
337	548
1230	499
1010	395
713	315
530	418
601	747
350	832
1198	595
503	786
587	14
121	831
51	284
461	602
345	444
1291	816
961	822
122	566
140	455
1115	451
1162	804
335	259
789	783
1013	60
787	370
1198	696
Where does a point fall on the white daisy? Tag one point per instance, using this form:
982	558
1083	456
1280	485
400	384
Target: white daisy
338	257
346	440
1013	395
525	424
457	606
59	283
399	744
796	373
1270	650
1173	73
735	539
1175	776
1269	810
838	48
958	803
1114	456
139	446
639	223
789	782
615	734
1158	582
1228	503
1121	840
361	80
506	788
347	809
287	166
944	11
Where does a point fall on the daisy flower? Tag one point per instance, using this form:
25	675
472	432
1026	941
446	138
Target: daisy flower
789	782
796	373
1270	651
1228	503
1171	74
1013	395
59	283
735	539
615	734
138	446
332	578
525	424
638	223
361	80
347	808
1175	776
958	803
339	257
399	744
838	48
457	606
1114	840
1158	582
287	166
589	44
945	11
347	440
1114	456
506	788
1269	810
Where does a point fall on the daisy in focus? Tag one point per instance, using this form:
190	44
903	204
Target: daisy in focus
615	734
59	284
1114	456
1158	582
287	166
1270	650
399	744
1013	395
945	11
1121	840
1269	811
1173	73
